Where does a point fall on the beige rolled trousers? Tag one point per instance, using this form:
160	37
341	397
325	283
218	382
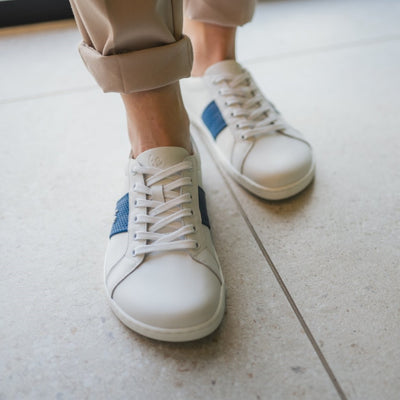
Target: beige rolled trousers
135	45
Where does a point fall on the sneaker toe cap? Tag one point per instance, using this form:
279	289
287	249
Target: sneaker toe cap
169	291
278	161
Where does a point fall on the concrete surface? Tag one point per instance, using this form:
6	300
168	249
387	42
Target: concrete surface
313	281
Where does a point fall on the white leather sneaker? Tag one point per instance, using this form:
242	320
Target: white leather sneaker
246	132
162	274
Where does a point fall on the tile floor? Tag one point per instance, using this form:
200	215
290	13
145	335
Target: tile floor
313	282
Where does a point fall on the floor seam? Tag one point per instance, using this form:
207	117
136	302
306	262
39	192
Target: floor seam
251	61
42	95
324	49
280	281
38	27
291	301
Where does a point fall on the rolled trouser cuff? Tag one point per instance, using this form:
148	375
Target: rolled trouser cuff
139	70
222	12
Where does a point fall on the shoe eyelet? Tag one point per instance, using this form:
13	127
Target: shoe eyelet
242	137
134	236
194	229
135	218
133	172
134	186
197	245
191	212
135	203
134	253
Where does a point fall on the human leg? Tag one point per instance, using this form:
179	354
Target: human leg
162	274
211	44
157	118
243	128
212	26
137	48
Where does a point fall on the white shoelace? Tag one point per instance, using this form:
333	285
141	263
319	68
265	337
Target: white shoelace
252	113
166	229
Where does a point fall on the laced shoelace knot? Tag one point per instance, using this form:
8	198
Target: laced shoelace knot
253	114
164	203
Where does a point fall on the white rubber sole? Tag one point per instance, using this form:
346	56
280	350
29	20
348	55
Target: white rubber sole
266	193
172	335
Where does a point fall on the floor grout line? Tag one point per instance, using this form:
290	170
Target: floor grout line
60	92
291	301
250	61
324	49
37	27
278	277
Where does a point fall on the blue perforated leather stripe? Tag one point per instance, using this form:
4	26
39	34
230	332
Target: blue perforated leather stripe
203	208
213	119
122	213
121	216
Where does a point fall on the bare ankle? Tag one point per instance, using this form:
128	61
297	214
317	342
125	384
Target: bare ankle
211	44
157	118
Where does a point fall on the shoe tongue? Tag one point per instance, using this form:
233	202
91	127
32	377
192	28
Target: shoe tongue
230	67
162	157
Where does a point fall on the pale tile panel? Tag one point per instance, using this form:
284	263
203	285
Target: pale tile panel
291	26
337	244
36	61
62	167
45	58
